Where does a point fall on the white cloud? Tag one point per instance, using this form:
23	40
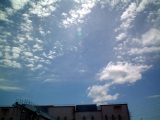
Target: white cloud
9	88
113	74
121	36
122	72
139	59
154	96
144	50
132	52
3	16
128	16
43	8
37	47
16	52
18	4
129	12
149	42
99	93
151	37
10	63
37	67
28	54
154	17
77	14
143	4
7	85
26	26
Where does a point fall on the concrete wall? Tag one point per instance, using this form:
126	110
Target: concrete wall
88	115
62	113
9	113
104	112
13	113
115	112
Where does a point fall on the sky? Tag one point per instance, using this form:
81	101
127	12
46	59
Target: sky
66	52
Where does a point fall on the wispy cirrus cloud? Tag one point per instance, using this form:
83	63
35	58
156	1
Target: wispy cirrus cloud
154	96
148	43
6	85
131	51
84	7
77	14
23	44
27	49
43	8
18	4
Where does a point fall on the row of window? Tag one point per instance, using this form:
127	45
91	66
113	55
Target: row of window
3	118
83	118
113	117
92	117
65	118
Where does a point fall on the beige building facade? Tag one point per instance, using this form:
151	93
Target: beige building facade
90	112
77	112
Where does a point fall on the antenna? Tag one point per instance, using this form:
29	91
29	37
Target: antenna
24	101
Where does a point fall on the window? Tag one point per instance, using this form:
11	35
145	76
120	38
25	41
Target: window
10	118
84	118
106	117
5	111
119	117
117	107
65	118
2	118
58	118
113	117
92	118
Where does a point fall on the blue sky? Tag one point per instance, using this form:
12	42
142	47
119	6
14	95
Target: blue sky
80	52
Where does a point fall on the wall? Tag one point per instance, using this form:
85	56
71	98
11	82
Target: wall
64	113
9	113
88	115
115	112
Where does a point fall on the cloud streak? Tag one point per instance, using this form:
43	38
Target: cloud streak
6	85
78	14
131	52
154	96
43	8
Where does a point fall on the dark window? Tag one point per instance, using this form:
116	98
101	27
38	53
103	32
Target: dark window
5	111
84	118
106	117
10	118
117	107
92	118
65	118
113	117
58	118
2	118
119	117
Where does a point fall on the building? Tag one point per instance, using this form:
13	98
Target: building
22	112
77	112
